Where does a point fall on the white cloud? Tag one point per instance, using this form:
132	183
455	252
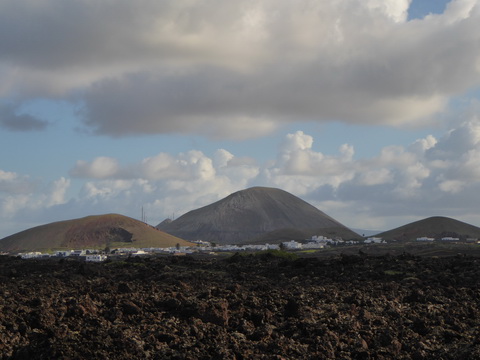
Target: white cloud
58	191
421	145
100	168
19	194
236	70
452	186
375	177
300	169
395	9
460	9
108	190
297	141
13	183
164	166
164	184
401	184
7	176
190	165
228	69
457	141
222	157
410	180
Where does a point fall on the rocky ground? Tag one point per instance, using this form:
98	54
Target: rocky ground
242	307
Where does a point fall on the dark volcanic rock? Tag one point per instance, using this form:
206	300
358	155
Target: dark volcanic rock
244	307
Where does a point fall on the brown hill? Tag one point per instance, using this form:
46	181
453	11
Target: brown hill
435	227
92	232
250	213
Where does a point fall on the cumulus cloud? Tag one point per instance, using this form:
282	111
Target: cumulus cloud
299	168
57	192
452	186
432	176
228	69
375	177
100	168
191	165
401	182
457	142
164	184
13	183
20	193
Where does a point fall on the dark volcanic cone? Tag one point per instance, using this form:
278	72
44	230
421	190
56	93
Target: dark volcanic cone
251	213
435	227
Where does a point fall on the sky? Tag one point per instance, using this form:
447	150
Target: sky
367	109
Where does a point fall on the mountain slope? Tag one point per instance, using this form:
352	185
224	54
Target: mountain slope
436	227
90	232
281	235
251	213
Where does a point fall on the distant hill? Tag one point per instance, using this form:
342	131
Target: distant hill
435	227
366	232
92	232
250	214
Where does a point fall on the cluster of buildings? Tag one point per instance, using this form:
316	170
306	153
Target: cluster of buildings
315	242
446	238
374	240
87	255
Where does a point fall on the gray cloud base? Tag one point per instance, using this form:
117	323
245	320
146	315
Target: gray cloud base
215	68
11	120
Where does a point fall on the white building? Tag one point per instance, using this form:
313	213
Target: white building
351	242
449	238
292	245
31	255
272	247
96	258
139	252
424	238
320	238
78	253
314	245
64	253
201	242
373	240
255	247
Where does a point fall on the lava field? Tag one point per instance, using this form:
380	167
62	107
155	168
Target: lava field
261	306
